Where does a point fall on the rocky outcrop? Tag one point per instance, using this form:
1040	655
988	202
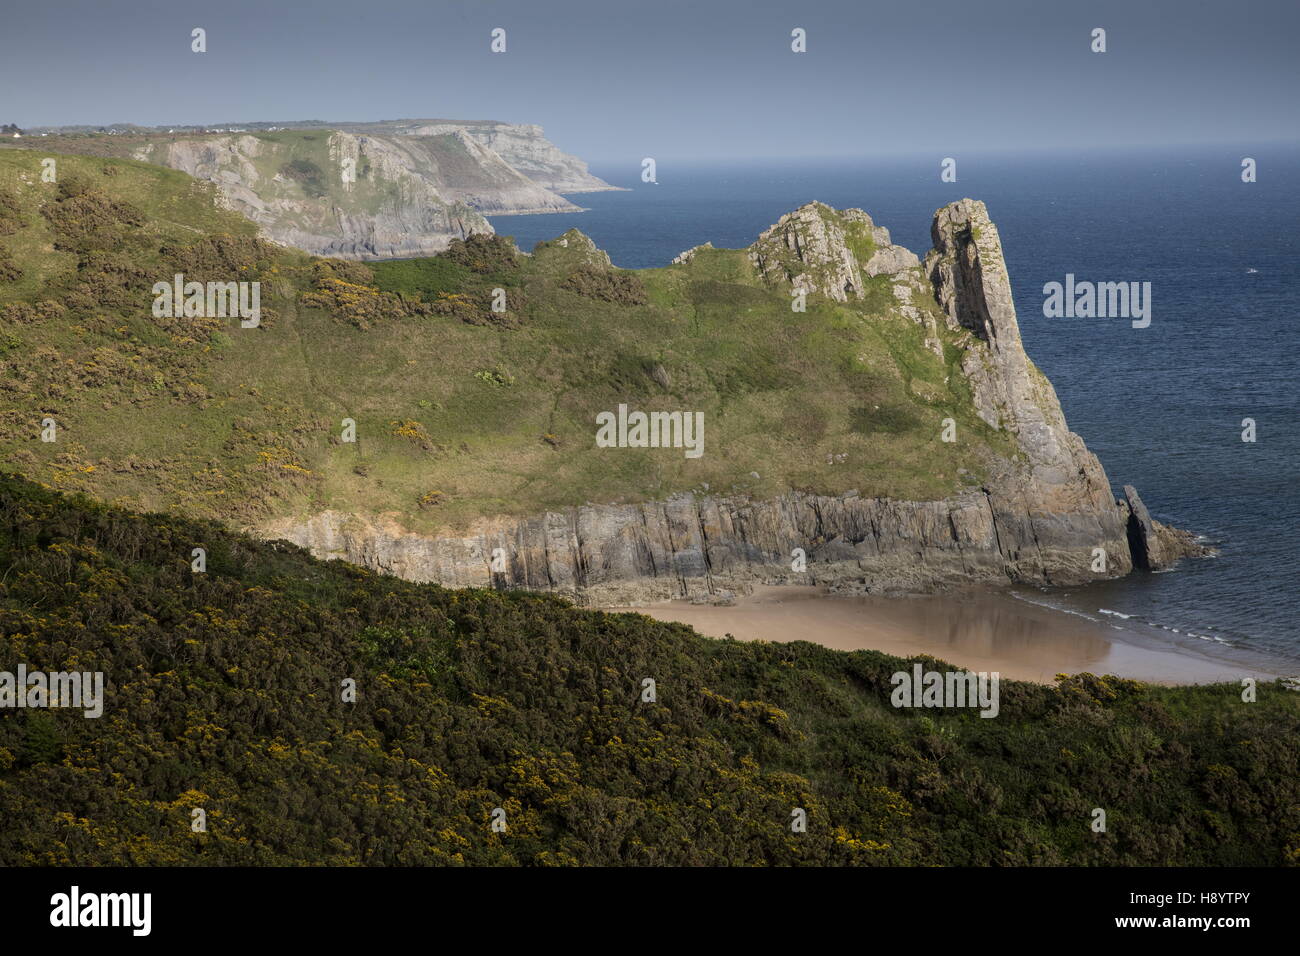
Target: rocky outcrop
1156	546
969	277
1144	543
824	252
1045	515
682	258
577	249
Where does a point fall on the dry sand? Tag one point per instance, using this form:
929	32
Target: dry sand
979	631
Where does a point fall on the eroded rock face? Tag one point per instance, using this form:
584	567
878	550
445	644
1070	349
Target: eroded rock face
1156	546
1048	517
969	275
1145	545
403	196
526	148
821	251
689	546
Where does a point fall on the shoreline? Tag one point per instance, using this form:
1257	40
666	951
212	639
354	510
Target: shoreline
977	630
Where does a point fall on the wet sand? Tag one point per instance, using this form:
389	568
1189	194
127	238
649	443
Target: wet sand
978	631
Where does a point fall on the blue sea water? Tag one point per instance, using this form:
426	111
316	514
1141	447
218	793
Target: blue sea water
1161	406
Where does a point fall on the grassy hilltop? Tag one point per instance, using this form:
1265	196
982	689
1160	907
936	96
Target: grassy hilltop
460	411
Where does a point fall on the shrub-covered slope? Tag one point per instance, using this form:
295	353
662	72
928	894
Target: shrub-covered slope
224	694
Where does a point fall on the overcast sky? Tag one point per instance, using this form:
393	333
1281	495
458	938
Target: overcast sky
613	80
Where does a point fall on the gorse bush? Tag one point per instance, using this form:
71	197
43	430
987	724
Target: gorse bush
11	216
86	218
9	270
223	692
484	254
622	288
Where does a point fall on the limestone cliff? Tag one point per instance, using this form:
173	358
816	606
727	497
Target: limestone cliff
1045	515
524	146
359	196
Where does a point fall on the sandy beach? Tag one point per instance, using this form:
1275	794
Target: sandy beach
980	631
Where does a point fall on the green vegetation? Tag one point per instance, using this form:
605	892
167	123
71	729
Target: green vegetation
223	692
487	255
420	278
204	417
859	240
307	174
622	288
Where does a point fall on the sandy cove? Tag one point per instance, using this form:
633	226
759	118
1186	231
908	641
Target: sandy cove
978	630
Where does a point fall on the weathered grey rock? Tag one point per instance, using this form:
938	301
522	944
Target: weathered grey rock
813	249
1155	546
807	249
888	260
684	257
970	282
693	546
1143	542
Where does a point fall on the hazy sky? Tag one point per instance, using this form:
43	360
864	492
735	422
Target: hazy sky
613	80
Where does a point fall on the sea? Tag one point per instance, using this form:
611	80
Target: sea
1164	407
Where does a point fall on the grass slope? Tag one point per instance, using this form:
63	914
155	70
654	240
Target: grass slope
460	411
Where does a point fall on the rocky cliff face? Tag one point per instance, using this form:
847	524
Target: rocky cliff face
1045	516
822	251
360	195
526	149
698	547
693	546
464	170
